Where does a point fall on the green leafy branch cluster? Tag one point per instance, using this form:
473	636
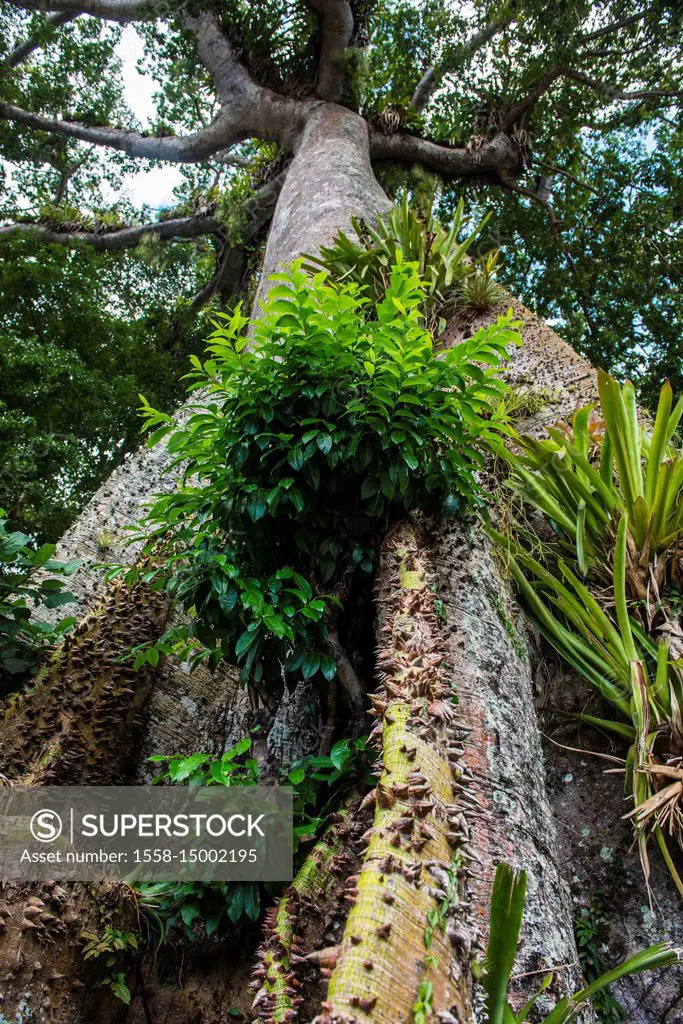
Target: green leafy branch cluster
24	587
319	783
112	945
336	418
607	593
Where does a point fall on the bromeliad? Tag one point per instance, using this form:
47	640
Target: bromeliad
606	591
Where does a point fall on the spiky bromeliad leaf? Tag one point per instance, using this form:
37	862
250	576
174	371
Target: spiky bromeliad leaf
506	915
507	911
661	955
439	254
607	592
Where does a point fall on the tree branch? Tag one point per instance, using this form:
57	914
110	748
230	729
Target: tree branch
497	157
612	92
614	26
122	238
566	174
258	209
230	77
110	10
609	92
251	109
336	30
28	46
174	149
431	79
248	110
540	87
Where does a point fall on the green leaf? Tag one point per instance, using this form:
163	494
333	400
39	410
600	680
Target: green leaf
507	910
189	913
245	641
295	458
188	765
311	664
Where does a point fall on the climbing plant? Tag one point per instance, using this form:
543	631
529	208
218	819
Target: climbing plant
309	436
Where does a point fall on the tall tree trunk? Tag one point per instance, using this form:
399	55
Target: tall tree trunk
329	180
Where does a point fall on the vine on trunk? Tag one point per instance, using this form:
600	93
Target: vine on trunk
302	450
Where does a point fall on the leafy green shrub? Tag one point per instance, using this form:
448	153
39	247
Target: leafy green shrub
607	592
301	451
184	906
319	784
439	255
322	781
506	914
233	768
23	636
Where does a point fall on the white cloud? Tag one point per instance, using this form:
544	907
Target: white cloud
145	188
150	188
138	88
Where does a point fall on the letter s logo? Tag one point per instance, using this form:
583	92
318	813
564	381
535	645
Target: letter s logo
46	826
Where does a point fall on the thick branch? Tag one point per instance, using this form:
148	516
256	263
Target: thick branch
249	108
179	227
498	157
258	209
431	79
30	45
515	112
174	149
111	10
231	79
336	30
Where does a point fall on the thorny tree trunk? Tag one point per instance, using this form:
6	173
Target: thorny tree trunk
330	179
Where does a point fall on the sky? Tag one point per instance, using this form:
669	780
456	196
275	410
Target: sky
145	188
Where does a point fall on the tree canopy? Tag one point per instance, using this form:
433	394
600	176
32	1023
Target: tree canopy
564	120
